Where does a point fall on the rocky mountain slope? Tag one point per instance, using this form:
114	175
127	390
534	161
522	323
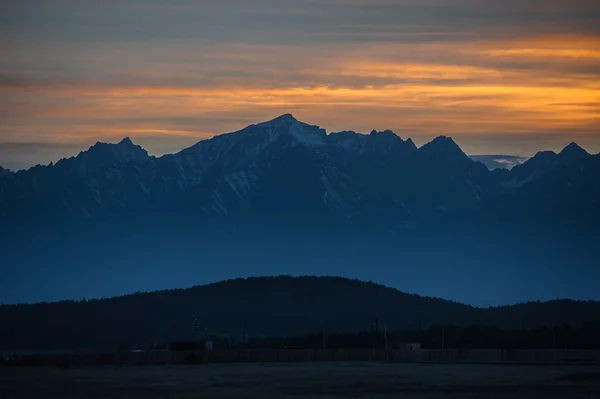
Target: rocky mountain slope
284	196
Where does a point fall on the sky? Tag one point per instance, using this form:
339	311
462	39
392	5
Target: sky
500	77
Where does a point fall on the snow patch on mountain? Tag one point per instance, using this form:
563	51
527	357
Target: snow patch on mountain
304	133
240	182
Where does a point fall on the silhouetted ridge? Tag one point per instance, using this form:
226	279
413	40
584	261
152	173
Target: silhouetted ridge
97	157
270	306
284	118
123	151
543	163
442	147
284	121
4	172
126	142
540	159
280	169
387	133
572	152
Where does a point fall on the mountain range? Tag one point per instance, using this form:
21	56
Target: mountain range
283	165
242	203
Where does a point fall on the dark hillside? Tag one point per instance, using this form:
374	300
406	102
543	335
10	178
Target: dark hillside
270	306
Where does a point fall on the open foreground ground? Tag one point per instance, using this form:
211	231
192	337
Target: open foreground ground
305	380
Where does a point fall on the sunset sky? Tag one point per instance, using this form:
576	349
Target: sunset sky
509	77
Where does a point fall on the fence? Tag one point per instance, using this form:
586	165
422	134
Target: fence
308	355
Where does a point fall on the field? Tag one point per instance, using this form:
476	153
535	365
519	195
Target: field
304	380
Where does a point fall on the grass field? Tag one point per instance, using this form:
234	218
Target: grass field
305	380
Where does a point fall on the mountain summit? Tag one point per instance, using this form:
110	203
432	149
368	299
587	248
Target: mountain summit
287	124
543	163
285	118
442	148
106	153
572	152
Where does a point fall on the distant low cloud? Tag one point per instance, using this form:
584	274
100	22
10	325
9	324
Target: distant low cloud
499	161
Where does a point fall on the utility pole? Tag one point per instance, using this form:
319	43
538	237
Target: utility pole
420	311
376	331
324	339
244	334
386	343
374	328
198	328
553	342
443	338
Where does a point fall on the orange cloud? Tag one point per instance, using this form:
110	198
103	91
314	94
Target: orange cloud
541	52
422	89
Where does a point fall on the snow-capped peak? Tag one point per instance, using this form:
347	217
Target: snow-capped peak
286	124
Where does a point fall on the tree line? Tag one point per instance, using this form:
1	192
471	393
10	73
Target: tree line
290	307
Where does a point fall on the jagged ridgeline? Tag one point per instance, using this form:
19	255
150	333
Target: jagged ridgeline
286	197
283	165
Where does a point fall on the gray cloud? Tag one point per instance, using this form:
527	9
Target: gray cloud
298	21
17	156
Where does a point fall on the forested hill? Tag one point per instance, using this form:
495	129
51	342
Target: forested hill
268	306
